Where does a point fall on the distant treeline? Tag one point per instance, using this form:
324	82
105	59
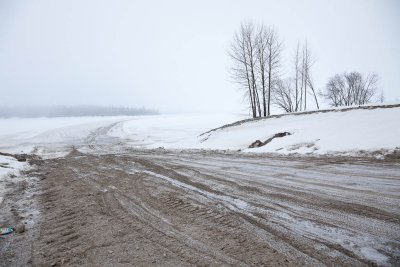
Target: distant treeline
71	111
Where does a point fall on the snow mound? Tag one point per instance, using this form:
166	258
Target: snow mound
9	166
346	131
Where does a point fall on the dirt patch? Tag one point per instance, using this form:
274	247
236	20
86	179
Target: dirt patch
19	157
95	215
258	143
393	155
185	208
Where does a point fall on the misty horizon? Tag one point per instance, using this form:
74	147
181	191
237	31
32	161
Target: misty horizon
52	111
173	56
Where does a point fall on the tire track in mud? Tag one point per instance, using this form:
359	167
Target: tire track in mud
380	222
118	207
251	216
98	138
217	223
156	223
280	189
247	218
162	232
150	208
288	194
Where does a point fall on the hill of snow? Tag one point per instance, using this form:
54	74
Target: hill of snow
352	130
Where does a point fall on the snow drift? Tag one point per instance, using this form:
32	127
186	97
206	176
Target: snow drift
9	167
335	131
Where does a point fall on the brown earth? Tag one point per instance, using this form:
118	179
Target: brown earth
177	208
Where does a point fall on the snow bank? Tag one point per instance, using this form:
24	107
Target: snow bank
330	132
8	166
346	131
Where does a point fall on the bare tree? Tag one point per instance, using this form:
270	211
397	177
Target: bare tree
274	49
381	97
308	83
262	58
303	81
256	56
334	90
350	89
250	47
243	55
285	95
304	74
291	94
268	59
298	85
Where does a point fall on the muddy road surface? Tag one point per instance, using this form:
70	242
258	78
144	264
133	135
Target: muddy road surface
182	208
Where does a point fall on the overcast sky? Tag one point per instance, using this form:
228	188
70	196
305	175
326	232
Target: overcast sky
172	55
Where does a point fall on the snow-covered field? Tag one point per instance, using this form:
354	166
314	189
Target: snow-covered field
22	135
318	133
170	131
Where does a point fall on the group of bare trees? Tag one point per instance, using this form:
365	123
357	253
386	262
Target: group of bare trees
256	55
291	93
352	88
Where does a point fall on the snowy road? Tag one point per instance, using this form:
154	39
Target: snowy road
184	208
